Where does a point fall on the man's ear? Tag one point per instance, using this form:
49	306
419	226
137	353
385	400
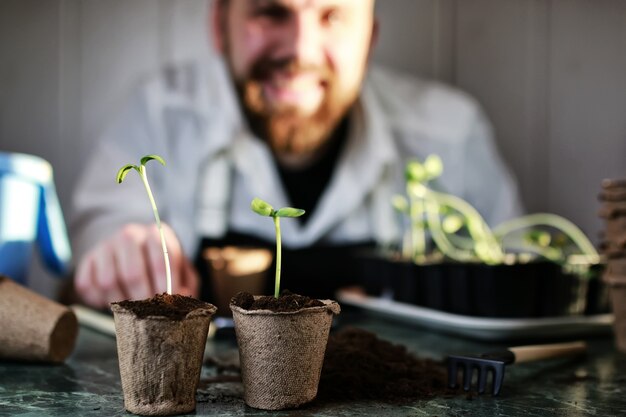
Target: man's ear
217	17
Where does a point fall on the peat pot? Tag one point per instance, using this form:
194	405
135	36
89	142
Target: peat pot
282	353
160	355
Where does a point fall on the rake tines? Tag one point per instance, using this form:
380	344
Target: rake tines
482	364
496	361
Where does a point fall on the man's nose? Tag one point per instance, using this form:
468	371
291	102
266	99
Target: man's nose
302	39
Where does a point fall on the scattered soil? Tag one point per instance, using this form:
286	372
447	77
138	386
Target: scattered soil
286	302
360	366
175	307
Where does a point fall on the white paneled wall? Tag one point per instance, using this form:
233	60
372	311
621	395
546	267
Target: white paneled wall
587	104
551	75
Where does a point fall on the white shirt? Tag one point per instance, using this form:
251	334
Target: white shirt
215	166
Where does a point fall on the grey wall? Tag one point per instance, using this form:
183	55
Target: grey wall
551	75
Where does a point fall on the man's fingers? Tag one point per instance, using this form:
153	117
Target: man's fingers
156	261
131	265
190	282
176	257
185	278
106	275
178	262
131	262
85	285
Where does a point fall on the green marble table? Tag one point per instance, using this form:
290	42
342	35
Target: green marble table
88	384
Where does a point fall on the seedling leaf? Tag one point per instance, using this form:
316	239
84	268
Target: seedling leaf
264	209
415	171
261	207
400	203
289	212
452	223
539	237
147	158
123	171
121	174
433	166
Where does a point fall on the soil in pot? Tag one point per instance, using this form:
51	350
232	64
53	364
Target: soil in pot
160	344
172	306
285	303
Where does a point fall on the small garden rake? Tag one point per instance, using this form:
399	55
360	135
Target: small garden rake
496	361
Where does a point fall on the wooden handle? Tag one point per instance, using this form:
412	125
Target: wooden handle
556	350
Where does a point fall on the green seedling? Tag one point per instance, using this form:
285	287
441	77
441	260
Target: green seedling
460	233
141	169
262	208
417	176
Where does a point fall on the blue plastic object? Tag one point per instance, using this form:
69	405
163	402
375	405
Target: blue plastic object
30	214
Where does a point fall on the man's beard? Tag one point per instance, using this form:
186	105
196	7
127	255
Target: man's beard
289	133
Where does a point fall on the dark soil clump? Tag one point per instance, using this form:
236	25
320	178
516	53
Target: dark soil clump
174	306
359	366
286	302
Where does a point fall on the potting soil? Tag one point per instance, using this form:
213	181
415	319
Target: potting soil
173	306
286	302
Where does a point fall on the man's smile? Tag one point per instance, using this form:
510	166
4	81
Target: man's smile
304	90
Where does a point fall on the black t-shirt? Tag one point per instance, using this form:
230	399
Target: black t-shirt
305	186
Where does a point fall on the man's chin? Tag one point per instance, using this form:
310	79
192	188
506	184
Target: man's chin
295	132
292	113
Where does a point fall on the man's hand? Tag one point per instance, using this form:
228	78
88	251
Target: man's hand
130	265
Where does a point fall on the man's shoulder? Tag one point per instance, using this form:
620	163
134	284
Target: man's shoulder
410	102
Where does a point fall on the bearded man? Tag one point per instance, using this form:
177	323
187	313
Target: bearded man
293	114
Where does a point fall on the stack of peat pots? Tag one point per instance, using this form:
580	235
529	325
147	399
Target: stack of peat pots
613	211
